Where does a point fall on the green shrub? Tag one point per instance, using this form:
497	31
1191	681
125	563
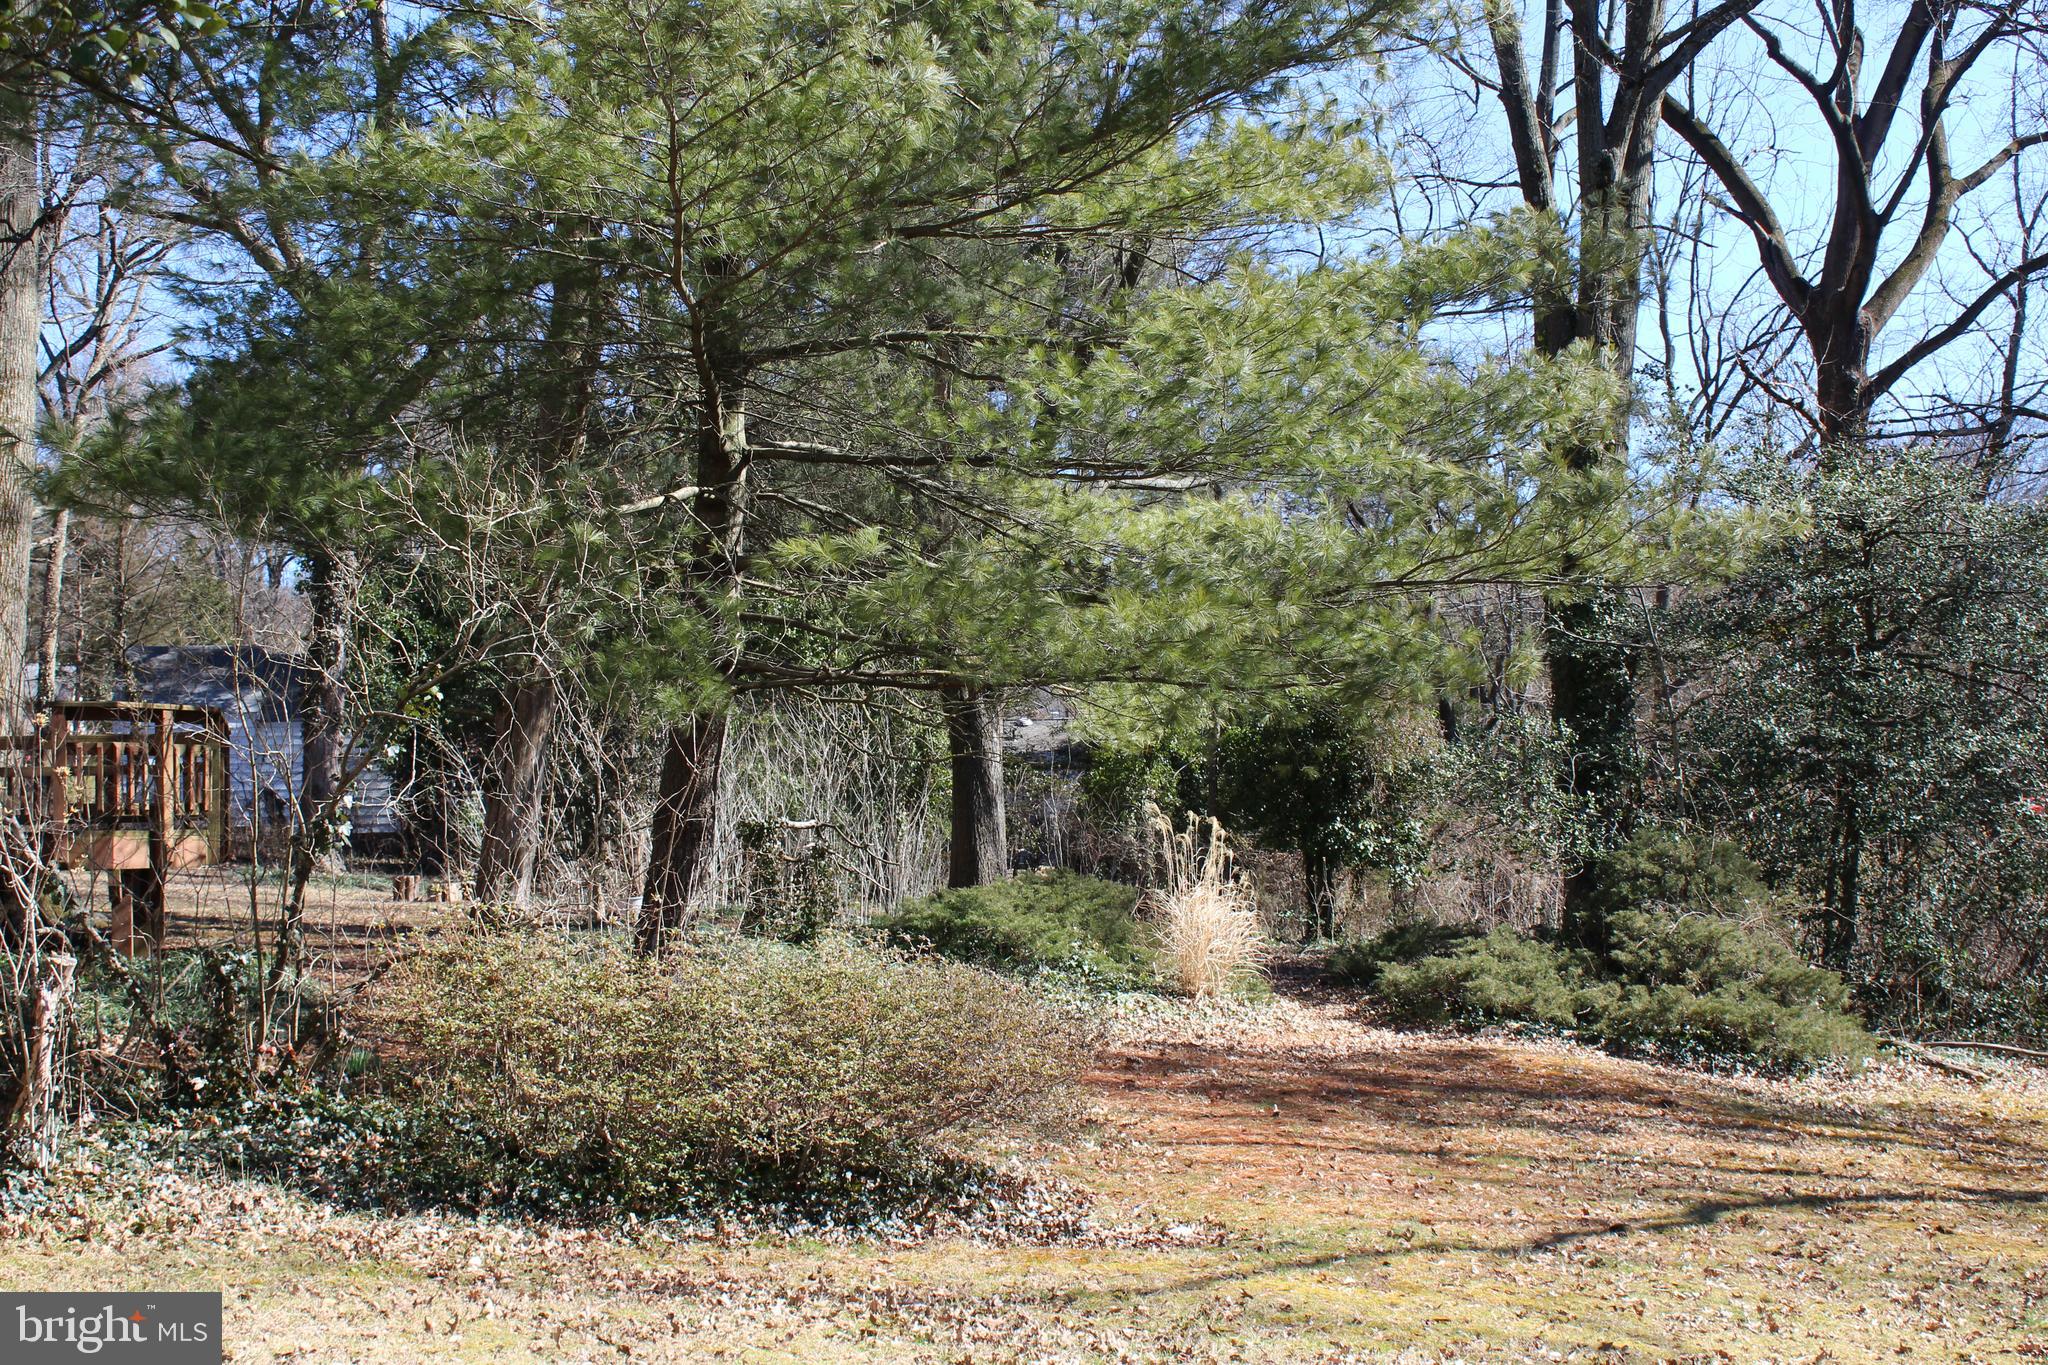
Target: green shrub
375	1151
1039	921
740	1068
384	1152
1701	989
1504	977
1702	953
1730	1027
1688	988
1358	961
1666	869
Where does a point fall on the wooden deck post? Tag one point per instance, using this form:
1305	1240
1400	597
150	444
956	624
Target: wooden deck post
163	833
218	795
56	761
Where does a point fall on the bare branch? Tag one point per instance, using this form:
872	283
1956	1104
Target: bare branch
1964	321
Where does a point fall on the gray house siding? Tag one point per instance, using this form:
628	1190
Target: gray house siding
257	691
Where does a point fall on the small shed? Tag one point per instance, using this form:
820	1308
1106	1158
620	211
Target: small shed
260	694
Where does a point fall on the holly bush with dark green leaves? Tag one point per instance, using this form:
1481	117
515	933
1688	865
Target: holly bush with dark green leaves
1873	728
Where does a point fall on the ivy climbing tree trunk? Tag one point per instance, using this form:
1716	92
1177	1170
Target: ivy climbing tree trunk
1622	62
1588	662
980	844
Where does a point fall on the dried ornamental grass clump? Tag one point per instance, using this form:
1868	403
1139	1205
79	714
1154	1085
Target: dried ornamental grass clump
1202	915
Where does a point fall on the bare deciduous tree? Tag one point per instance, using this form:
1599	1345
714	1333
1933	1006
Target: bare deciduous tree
95	338
1897	187
21	316
1623	61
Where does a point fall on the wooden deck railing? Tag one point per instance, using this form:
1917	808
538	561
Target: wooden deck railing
123	784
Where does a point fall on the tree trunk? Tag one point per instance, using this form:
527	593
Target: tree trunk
686	806
1319	884
1841	363
120	677
515	771
52	605
980	851
30	1116
324	703
1838	933
21	320
1874	258
323	749
510	852
1593	699
685	825
1592	689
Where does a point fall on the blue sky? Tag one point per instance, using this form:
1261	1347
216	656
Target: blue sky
1447	131
1448	141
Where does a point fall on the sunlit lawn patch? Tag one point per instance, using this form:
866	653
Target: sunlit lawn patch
1280	1184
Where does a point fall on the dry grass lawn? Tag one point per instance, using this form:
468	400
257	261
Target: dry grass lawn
1285	1184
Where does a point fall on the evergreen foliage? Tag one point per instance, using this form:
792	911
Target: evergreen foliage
1357	962
1685	988
1305	775
1504	977
1696	988
1312	781
1874	727
1048	921
1696	970
949	451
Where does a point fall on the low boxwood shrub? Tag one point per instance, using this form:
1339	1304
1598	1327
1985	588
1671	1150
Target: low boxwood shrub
1357	962
727	1069
1701	989
1504	977
1040	921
